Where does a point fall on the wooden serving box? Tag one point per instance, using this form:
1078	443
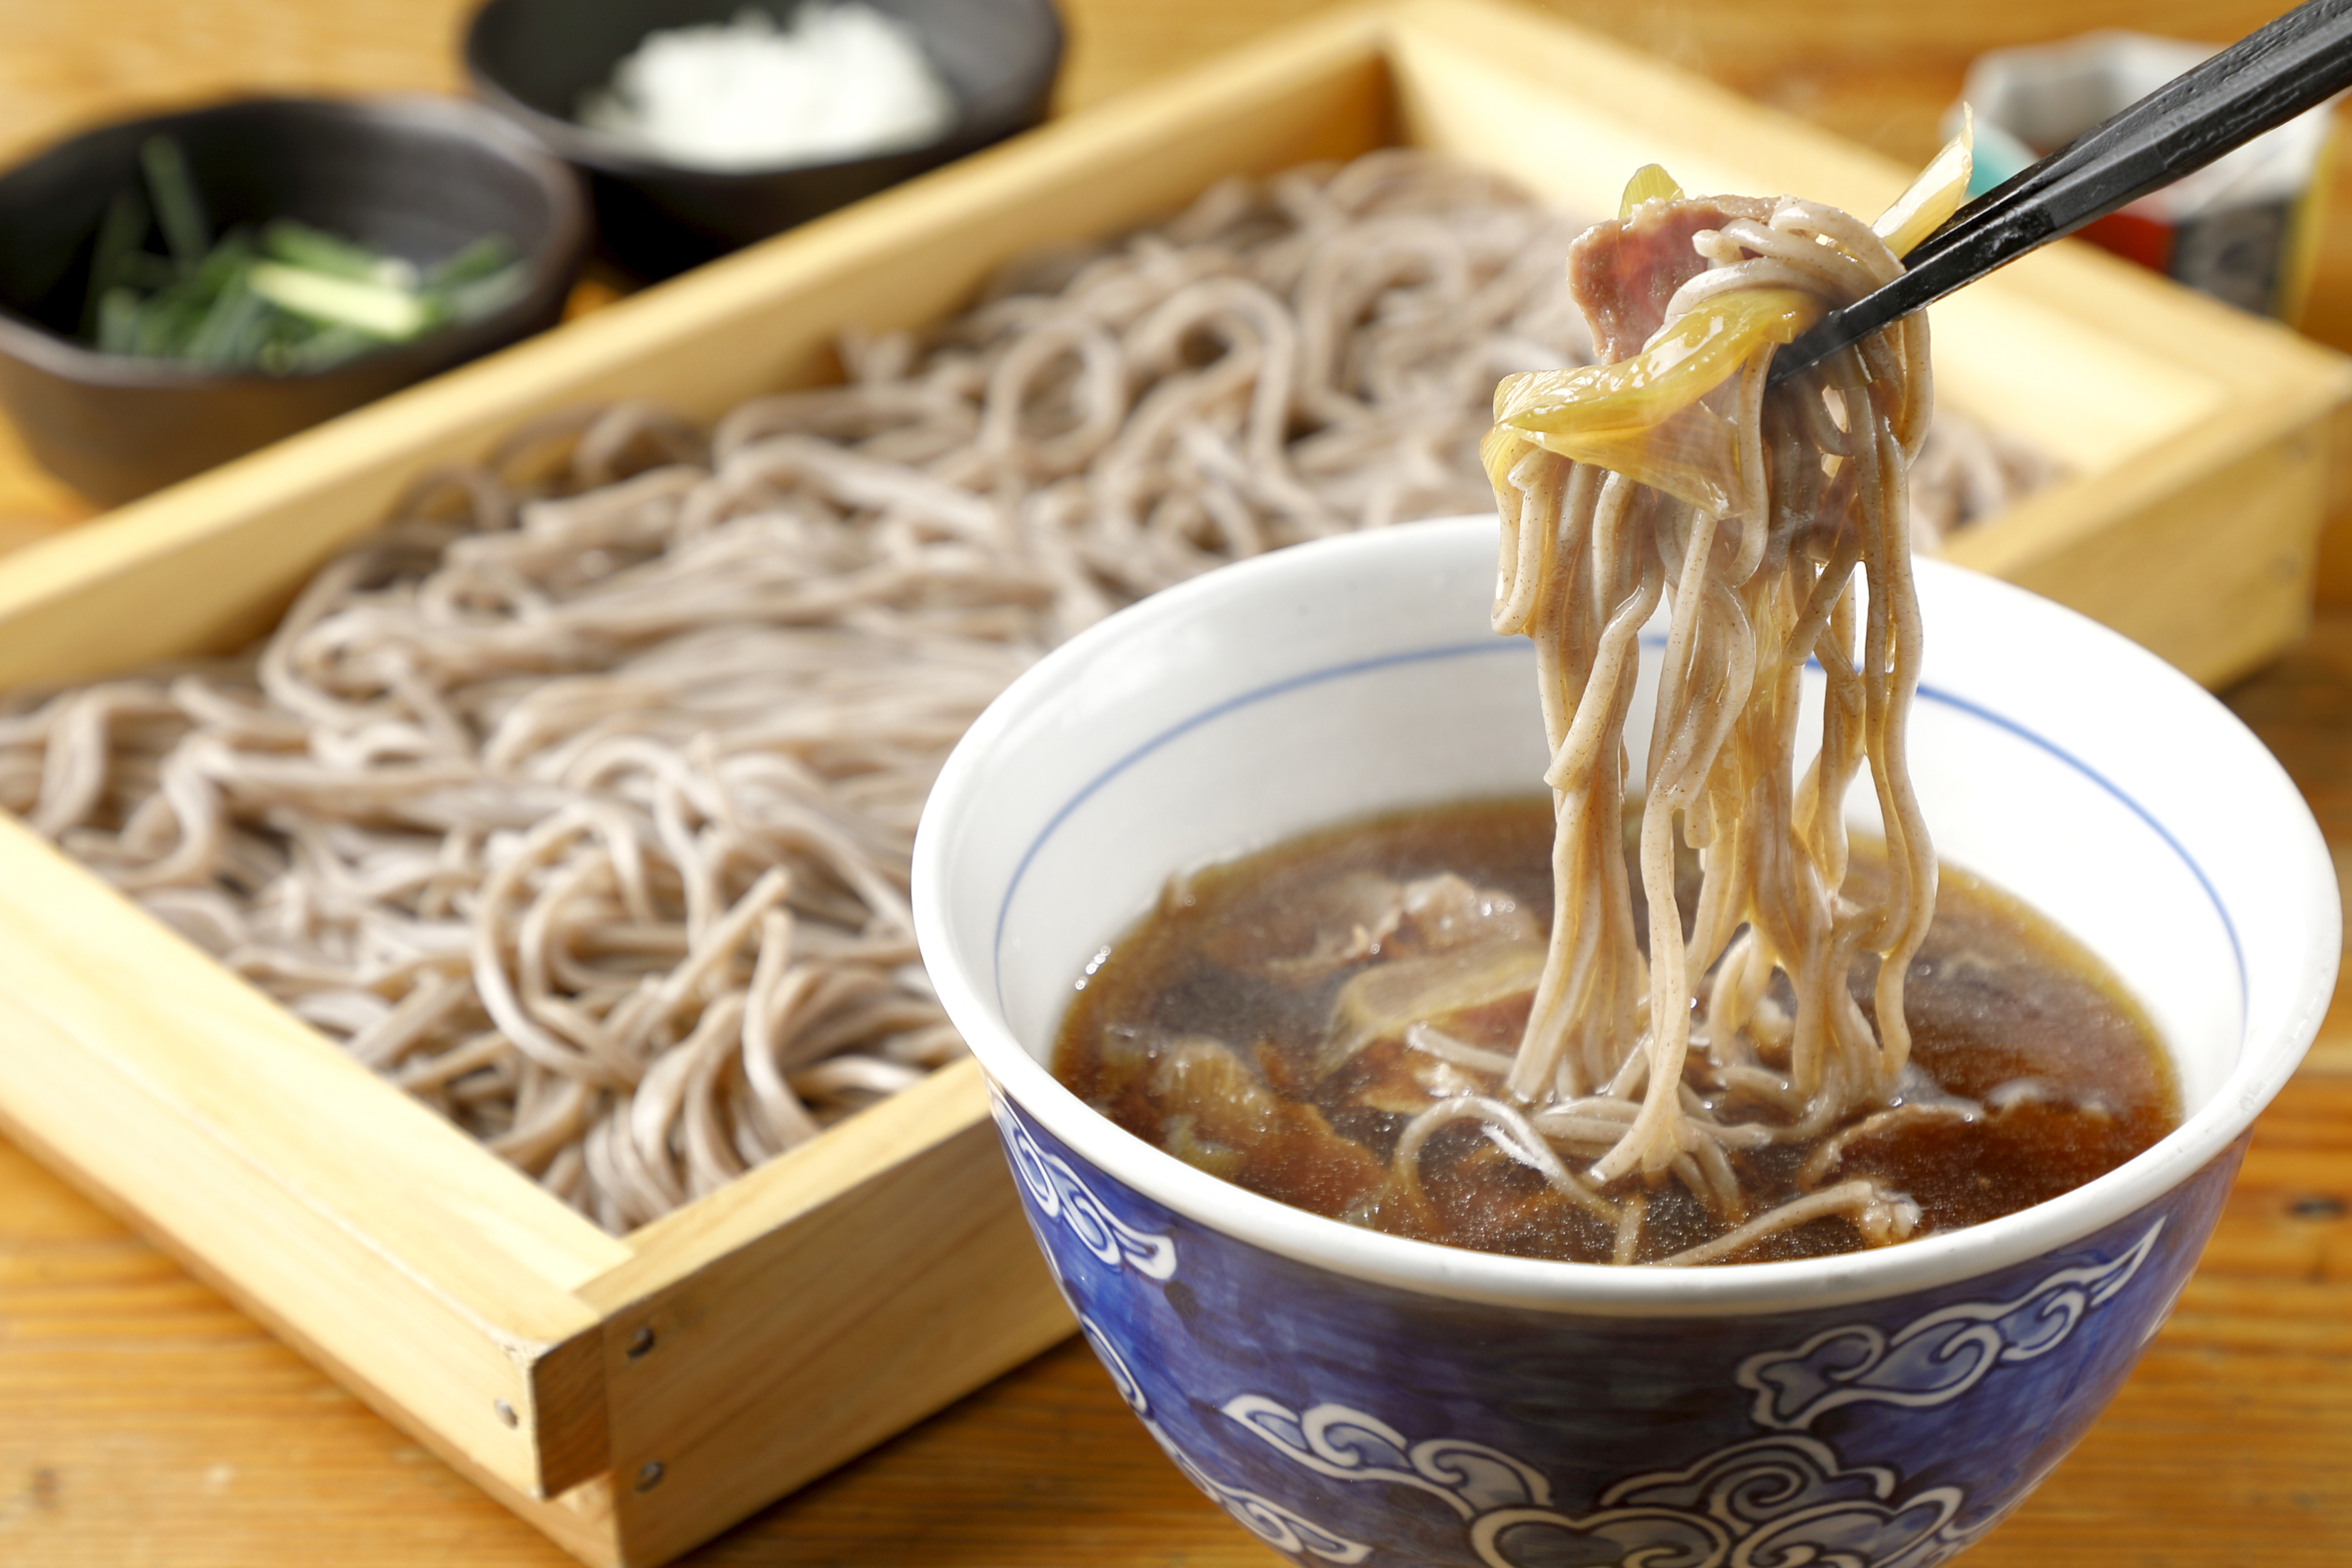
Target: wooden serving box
632	1396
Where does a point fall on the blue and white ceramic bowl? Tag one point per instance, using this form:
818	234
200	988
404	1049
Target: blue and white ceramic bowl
1353	1398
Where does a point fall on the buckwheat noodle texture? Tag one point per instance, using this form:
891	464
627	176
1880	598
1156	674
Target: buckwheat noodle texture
579	801
1746	513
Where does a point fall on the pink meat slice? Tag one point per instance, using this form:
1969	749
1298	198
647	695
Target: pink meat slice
1364	915
1622	272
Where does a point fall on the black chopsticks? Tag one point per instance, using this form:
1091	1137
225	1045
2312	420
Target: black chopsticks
2259	83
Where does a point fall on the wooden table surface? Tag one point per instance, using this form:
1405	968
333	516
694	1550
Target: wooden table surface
144	1421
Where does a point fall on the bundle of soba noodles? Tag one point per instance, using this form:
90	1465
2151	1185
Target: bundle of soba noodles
1670	475
579	803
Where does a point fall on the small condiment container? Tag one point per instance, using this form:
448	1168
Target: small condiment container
2242	229
532	60
418	178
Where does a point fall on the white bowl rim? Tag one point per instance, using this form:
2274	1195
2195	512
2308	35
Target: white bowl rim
1582	1289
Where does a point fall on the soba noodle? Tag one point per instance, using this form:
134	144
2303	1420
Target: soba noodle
1745	513
579	803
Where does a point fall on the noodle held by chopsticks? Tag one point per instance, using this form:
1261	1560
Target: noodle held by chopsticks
1670	476
580	805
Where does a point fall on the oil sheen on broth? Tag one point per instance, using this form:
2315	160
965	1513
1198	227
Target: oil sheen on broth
1248	1026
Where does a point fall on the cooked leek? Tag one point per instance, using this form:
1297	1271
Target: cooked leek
1644	416
1685	360
1650	183
1934	195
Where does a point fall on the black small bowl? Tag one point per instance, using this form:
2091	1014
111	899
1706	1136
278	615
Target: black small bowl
533	60
416	177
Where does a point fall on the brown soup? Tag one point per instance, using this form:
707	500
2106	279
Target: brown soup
1229	1028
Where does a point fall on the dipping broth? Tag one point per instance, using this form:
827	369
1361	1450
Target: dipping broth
1241	1025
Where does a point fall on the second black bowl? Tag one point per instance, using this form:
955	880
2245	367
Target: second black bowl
533	60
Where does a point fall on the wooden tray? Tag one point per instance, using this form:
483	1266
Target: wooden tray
632	1396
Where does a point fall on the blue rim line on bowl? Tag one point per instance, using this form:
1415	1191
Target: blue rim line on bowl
1513	645
1209	715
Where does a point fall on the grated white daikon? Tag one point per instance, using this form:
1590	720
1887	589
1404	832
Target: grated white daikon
838	82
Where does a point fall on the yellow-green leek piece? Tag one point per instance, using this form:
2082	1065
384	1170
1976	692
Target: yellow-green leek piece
1650	183
1642	416
1686	358
1934	195
1693	455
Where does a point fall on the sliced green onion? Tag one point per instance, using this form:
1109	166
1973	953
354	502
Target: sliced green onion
285	299
316	250
225	333
119	234
1683	362
477	297
118	321
487	254
369	307
177	210
330	346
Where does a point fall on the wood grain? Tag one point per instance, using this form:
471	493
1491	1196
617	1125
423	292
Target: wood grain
789	1333
143	1421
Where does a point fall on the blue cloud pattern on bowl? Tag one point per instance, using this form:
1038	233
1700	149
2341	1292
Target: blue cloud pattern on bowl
1327	1413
